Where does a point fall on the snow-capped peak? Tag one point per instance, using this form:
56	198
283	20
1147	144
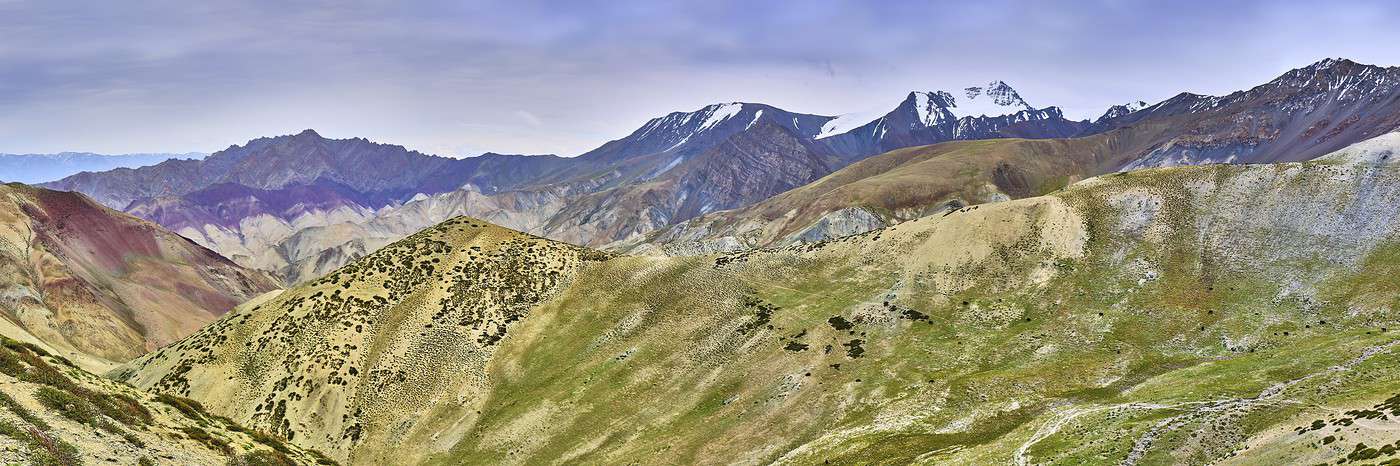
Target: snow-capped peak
707	117
1328	63
995	99
1123	109
933	108
679	127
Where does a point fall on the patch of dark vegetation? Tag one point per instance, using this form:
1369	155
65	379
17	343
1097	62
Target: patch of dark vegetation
203	437
737	257
1316	424
762	314
1385	410
60	394
840	323
22	412
910	314
190	408
45	449
1381	411
94	410
853	348
271	441
261	458
795	346
26	362
1365	453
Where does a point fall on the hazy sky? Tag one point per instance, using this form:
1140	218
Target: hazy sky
460	78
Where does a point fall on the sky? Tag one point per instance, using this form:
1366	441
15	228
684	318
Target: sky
459	78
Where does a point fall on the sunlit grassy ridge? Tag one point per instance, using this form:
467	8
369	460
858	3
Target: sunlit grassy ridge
1177	315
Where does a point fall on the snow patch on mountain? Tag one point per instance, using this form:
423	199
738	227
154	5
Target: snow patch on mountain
1121	110
756	116
845	123
716	114
931	107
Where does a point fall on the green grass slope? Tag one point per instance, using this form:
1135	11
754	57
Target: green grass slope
1243	314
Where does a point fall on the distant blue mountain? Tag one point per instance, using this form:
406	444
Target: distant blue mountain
39	168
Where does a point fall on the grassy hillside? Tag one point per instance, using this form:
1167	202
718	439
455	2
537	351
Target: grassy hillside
56	414
1240	314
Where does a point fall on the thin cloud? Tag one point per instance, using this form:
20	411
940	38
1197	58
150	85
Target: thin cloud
162	75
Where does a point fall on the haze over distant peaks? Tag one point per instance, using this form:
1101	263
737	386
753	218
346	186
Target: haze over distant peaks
39	168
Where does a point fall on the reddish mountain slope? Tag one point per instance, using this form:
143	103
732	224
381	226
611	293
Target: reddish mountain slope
102	286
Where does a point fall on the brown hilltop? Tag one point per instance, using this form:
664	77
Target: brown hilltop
333	361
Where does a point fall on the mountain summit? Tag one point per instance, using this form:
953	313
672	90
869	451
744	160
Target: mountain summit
994	99
993	110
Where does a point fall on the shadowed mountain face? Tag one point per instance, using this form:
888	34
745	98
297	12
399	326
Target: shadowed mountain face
1301	115
100	286
379	170
1190	314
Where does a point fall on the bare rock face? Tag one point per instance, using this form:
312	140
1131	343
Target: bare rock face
841	223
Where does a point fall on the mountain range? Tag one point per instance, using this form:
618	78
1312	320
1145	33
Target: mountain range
1137	317
301	205
963	279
